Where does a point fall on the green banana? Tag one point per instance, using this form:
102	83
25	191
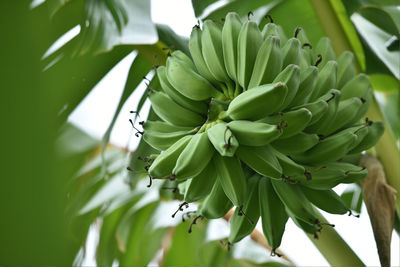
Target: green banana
291	52
261	160
361	131
346	114
306	227
329	175
268	62
326	80
308	81
163	165
223	139
289	167
291	77
185	58
163	127
358	86
273	214
244	220
195	49
230	35
163	140
249	41
307	58
375	131
317	109
173	113
251	133
301	35
216	204
258	102
211	42
296	144
322	126
325	49
329	149
295	201
232	179
346	69
270	29
194	158
196	106
188	82
326	200
293	121
200	185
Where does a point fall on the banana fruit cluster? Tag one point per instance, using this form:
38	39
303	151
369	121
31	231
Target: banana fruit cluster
259	121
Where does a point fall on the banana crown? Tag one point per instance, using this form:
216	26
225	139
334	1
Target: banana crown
260	121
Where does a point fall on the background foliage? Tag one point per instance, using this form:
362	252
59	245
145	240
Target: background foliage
57	181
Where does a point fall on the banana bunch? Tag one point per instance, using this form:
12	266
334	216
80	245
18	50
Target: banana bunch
255	120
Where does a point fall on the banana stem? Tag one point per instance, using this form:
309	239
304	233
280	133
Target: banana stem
387	152
333	247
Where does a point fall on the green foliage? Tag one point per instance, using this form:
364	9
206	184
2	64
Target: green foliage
55	181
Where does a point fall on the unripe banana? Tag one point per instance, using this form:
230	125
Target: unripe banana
230	36
268	62
242	225
223	139
358	86
346	68
261	160
300	34
346	114
194	158
251	133
232	179
173	113
329	149
326	80
270	29
306	227
185	58
196	106
163	127
273	214
322	126
289	167
211	42
308	81
195	49
249	41
375	131
296	144
317	109
361	131
216	204
291	77
163	140
291	52
326	200
295	201
188	82
258	102
325	49
322	178
163	165
293	121
200	185
307	57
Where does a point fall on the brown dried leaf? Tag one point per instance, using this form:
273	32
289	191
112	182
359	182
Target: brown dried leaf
380	200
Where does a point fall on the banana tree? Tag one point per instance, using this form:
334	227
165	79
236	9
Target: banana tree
87	184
